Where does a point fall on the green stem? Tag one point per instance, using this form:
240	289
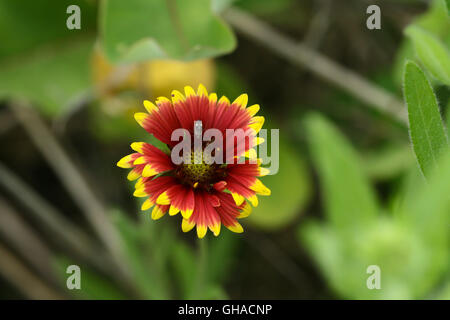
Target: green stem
201	279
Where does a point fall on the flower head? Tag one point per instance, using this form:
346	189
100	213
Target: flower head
212	186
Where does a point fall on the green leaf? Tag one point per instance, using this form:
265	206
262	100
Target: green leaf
41	60
431	52
27	25
426	128
138	30
50	77
349	199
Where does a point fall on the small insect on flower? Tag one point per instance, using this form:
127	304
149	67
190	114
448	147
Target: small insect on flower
207	193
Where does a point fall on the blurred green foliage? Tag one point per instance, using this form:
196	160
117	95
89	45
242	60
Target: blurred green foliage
140	30
358	233
52	78
161	265
93	286
388	161
435	21
447	2
50	66
432	53
412	237
291	191
43	61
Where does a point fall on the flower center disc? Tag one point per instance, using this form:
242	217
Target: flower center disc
199	170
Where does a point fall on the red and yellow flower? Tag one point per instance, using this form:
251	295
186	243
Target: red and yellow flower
206	194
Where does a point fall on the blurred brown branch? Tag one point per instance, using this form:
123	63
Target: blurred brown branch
65	233
7	121
72	179
319	23
303	56
23	239
23	279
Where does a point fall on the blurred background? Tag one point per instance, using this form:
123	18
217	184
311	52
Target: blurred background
348	193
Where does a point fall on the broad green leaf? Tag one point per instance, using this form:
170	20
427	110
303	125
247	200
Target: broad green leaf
426	128
138	30
27	25
349	200
447	3
51	77
432	53
41	60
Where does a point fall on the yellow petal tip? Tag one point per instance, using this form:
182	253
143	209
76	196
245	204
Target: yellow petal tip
187	225
137	146
201	231
237	228
201	91
149	106
241	101
163	199
157	213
